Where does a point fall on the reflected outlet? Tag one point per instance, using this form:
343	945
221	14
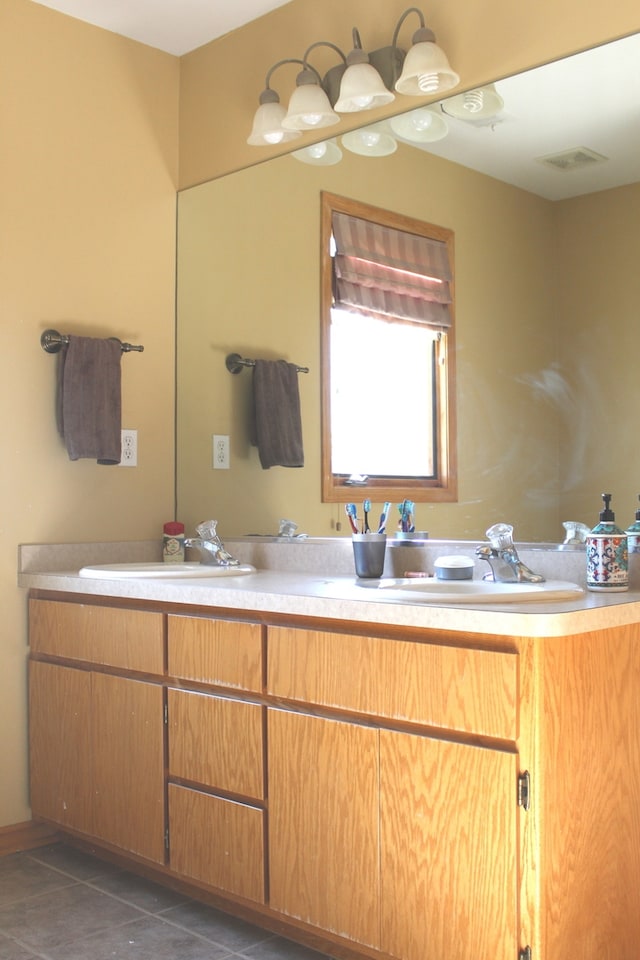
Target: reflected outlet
220	452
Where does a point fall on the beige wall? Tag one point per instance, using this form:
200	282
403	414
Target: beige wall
221	82
259	229
88	173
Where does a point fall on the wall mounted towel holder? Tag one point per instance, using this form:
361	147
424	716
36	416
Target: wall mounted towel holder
52	342
234	364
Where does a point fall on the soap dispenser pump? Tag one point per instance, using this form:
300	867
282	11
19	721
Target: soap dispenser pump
607	553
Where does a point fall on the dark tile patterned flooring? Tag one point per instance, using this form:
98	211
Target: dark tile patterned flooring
58	903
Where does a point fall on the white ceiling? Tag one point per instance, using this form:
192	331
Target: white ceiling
176	26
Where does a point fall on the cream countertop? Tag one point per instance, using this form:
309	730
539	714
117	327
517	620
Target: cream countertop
339	597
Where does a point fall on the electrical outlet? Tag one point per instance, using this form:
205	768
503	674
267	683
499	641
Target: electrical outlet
129	448
220	452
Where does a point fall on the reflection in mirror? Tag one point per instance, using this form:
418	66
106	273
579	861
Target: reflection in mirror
546	317
388	349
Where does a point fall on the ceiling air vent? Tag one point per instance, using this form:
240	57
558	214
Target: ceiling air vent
573	159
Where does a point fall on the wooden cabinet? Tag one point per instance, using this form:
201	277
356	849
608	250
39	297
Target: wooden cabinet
365	791
323	823
391	838
216	794
448	850
60	745
97	741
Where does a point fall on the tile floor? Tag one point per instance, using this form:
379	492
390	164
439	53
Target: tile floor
57	903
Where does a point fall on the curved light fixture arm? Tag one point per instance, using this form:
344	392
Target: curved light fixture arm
322	43
396	32
280	63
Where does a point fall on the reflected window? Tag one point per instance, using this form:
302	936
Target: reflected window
387	337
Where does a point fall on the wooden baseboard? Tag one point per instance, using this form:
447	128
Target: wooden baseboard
25	836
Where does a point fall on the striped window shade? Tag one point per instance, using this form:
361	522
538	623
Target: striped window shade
390	273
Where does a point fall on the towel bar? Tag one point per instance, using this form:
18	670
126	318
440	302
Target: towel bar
234	364
52	342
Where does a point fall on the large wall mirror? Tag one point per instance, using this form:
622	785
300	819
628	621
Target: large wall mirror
544	201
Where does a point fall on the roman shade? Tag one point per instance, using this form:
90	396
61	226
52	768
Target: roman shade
390	273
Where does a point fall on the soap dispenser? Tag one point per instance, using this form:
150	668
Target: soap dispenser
607	554
633	534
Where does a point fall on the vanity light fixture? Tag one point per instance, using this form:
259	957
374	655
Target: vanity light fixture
424	125
363	81
267	122
323	154
479	104
371	141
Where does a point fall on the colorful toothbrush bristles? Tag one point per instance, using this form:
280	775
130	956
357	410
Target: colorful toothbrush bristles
350	510
366	508
383	517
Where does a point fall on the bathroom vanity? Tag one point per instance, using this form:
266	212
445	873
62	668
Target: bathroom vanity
375	779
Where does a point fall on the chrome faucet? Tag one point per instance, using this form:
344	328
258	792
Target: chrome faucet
502	556
211	548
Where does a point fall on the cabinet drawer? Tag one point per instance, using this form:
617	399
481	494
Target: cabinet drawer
216	742
217	841
473	691
216	651
128	639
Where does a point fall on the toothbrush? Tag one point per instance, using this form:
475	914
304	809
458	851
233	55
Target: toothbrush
366	506
383	516
350	510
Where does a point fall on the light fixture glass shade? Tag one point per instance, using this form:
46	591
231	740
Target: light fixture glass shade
426	68
309	109
424	125
478	104
267	126
322	154
369	142
362	88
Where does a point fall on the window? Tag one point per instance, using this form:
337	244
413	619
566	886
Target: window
387	342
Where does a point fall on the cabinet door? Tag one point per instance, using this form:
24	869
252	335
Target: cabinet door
217	841
323	823
128	639
216	742
60	745
449	845
128	764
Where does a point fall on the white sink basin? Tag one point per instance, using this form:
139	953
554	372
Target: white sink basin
117	571
429	590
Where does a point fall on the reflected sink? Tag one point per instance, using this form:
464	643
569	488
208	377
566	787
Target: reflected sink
430	590
117	571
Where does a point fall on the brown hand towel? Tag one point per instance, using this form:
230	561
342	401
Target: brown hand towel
89	399
277	424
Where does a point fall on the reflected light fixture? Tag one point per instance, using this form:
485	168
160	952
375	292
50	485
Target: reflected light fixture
479	104
323	154
362	81
371	141
424	125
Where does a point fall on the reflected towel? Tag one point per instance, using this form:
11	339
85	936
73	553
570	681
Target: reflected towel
277	425
89	399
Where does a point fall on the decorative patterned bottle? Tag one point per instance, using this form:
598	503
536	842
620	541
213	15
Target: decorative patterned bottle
633	534
607	554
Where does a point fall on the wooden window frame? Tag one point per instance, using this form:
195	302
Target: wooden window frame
443	487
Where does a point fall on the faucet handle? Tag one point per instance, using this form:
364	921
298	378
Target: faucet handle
500	536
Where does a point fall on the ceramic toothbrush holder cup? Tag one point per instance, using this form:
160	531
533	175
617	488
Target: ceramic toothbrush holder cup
368	554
